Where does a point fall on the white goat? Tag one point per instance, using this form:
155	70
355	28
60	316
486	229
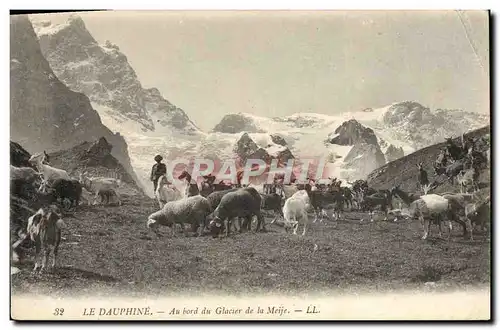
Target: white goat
44	229
295	213
97	185
49	173
166	193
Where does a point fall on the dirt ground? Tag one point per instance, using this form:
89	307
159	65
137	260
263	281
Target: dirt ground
109	250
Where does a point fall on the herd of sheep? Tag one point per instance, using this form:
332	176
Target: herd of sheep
220	210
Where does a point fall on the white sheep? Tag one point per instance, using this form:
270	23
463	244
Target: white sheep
304	196
295	213
165	193
193	210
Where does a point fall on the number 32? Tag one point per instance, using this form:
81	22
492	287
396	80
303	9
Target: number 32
59	311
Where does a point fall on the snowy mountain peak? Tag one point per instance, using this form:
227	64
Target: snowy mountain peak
103	73
236	123
352	132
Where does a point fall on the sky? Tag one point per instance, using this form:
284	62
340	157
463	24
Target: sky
278	63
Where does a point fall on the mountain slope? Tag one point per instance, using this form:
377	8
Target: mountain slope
404	171
103	73
45	114
95	158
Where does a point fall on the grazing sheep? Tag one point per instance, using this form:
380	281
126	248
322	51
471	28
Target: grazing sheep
97	184
242	203
166	193
272	202
433	208
295	213
192	210
44	229
215	197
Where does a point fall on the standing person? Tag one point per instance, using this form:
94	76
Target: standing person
158	170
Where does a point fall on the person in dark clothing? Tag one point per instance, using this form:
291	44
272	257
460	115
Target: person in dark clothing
158	170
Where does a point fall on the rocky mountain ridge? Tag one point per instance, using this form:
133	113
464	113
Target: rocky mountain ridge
44	113
102	72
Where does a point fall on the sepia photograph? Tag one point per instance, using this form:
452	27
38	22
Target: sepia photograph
250	165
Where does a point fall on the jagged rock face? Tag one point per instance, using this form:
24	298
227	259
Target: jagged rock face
245	145
245	148
103	73
413	122
278	139
392	153
100	148
95	159
236	123
365	155
363	158
99	153
284	155
43	110
352	132
19	157
45	114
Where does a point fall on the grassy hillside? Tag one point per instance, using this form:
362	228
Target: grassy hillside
108	250
404	171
